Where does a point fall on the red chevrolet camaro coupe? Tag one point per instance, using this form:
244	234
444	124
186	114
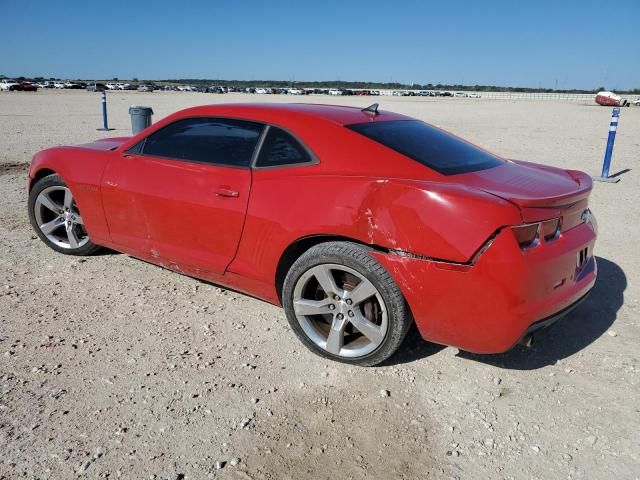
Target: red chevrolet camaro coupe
358	222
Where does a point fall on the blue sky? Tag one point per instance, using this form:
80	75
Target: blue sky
571	44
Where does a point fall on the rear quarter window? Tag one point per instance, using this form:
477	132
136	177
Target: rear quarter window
281	148
430	146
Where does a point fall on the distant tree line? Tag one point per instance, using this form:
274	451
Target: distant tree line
341	85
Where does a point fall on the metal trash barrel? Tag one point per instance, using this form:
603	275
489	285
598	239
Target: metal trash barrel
140	118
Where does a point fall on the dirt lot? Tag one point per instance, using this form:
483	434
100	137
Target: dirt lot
111	367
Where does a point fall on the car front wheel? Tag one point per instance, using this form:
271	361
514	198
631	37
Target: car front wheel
344	305
56	219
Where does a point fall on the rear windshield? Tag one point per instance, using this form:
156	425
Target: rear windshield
430	146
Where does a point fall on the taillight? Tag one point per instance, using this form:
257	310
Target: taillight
528	236
551	229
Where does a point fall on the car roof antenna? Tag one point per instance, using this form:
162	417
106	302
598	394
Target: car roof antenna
372	109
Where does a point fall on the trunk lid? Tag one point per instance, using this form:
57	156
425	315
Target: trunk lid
541	192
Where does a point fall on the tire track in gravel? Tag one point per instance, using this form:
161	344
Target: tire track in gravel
8	168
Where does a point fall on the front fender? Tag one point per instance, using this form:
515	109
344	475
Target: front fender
81	170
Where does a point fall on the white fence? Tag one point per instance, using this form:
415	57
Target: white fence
558	97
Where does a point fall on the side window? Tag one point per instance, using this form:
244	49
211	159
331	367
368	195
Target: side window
280	148
219	141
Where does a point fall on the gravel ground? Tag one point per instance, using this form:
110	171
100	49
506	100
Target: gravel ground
111	367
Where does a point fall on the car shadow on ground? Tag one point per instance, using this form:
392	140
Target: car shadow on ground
591	319
104	251
412	349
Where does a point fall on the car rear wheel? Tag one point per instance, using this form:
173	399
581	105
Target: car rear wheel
56	219
344	305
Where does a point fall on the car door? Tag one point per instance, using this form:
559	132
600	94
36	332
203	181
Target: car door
181	194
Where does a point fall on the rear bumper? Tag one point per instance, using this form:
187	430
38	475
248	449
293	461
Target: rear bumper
490	306
553	319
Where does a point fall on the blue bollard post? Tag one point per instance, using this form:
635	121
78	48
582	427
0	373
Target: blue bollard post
105	124
608	153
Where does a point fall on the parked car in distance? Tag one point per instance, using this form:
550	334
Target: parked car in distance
215	89
335	91
473	95
6	84
75	85
610	99
295	91
96	87
23	87
394	221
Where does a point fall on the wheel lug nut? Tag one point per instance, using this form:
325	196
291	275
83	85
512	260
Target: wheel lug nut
349	301
332	307
336	297
340	316
351	314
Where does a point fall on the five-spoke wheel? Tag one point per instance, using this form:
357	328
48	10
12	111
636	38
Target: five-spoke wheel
344	305
56	218
340	310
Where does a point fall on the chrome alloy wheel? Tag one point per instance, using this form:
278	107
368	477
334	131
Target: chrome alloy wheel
59	219
340	310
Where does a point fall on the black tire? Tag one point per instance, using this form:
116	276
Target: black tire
54	180
356	257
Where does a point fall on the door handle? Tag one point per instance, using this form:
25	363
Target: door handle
226	192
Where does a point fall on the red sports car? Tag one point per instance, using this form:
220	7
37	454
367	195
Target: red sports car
358	222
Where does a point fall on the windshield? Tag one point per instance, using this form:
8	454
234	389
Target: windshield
428	145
